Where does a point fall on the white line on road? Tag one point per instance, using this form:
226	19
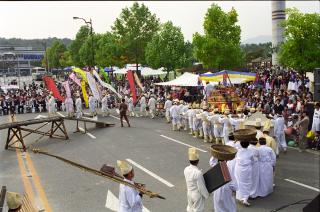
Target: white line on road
151	173
114	117
303	185
112	202
60	114
179	142
89	134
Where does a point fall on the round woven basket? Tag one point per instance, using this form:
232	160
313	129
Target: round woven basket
223	152
245	134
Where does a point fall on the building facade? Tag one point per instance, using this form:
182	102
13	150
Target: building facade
17	60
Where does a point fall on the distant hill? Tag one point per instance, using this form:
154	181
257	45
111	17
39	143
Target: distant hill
258	39
34	43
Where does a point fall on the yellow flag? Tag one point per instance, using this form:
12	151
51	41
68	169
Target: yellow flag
84	92
82	73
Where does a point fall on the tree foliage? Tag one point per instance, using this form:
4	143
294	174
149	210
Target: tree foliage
167	48
134	28
81	38
108	51
301	49
55	54
253	51
219	47
85	51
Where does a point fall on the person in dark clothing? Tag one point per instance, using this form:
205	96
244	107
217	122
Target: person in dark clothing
278	108
123	112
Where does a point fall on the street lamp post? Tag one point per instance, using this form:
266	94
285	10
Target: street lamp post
91	33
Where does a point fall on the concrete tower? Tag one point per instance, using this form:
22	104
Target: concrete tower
278	15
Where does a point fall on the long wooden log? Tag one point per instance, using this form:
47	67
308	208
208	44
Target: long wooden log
30	122
102	174
88	120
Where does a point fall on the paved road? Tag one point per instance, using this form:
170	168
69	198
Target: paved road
159	156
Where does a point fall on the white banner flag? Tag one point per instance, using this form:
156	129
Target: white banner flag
104	84
93	86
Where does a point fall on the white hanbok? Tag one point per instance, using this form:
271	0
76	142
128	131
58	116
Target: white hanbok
52	105
131	106
69	105
143	106
104	105
79	107
267	162
255	171
92	104
197	191
152	106
243	173
226	128
167	106
174	112
129	199
279	125
316	121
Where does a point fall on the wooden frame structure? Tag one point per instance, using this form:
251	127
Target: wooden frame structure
15	130
99	124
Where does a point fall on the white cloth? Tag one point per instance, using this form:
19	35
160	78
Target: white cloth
52	105
79	107
243	173
267	161
174	112
279	126
152	103
92	104
69	104
223	200
104	104
130	104
197	191
255	171
129	199
316	121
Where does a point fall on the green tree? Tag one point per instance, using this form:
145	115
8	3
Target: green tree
55	53
108	51
167	48
134	28
219	47
85	52
81	38
66	59
301	49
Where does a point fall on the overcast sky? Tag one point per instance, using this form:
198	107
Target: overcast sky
54	19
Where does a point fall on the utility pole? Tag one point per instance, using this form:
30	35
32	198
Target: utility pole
46	56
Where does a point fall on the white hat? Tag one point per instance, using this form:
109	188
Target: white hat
227	111
193	154
124	166
14	200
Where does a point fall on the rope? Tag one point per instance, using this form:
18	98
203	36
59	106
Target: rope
116	179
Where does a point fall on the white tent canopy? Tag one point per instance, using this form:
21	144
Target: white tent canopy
186	79
145	71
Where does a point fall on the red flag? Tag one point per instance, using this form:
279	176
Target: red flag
132	87
51	86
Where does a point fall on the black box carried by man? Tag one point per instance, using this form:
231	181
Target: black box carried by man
217	176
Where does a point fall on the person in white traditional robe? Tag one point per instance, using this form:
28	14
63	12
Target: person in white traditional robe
131	106
197	191
226	126
130	200
243	173
51	104
185	118
197	123
104	105
255	169
152	106
167	106
223	200
316	118
206	125
174	112
267	162
78	106
279	126
258	127
69	106
217	126
92	104
143	105
190	114
181	117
